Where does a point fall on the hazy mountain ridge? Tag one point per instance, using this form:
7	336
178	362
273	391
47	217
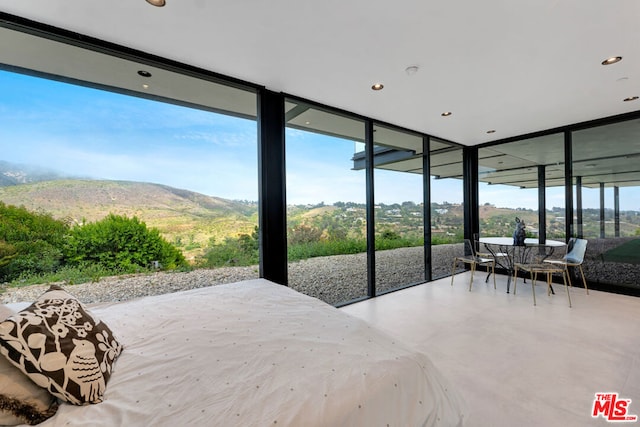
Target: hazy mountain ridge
185	218
16	174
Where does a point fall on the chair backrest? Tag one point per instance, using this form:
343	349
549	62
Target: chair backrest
469	248
576	251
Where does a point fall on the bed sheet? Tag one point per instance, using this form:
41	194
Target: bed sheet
255	353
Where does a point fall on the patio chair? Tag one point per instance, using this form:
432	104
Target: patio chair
476	242
573	258
540	268
470	257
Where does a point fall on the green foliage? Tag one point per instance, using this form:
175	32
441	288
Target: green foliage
7	253
390	235
120	243
29	242
326	248
303	233
395	242
69	274
240	251
445	239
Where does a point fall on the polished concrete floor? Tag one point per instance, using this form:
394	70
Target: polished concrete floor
516	364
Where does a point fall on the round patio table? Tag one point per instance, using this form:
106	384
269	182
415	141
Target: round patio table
498	246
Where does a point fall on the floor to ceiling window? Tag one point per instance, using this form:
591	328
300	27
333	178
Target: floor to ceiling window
513	180
176	152
447	210
606	208
399	219
326	204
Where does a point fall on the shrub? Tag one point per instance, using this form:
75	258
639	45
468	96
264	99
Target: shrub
30	242
120	243
303	234
240	251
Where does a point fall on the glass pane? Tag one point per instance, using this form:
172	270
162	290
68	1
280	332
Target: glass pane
82	154
398	209
326	196
509	176
447	209
606	208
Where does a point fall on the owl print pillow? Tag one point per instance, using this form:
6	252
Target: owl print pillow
61	346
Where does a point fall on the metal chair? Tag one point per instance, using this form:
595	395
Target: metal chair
540	268
574	257
476	242
470	257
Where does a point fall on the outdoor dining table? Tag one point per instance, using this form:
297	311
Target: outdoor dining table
506	254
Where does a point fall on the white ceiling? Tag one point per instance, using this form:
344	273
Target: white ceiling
516	67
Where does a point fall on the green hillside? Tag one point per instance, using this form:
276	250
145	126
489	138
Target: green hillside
191	220
186	219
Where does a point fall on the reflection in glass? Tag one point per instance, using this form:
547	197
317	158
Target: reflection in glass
514	177
606	209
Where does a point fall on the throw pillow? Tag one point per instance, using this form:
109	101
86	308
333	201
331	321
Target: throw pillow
21	401
61	346
5	312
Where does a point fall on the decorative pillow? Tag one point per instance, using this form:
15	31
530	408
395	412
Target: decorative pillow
21	401
61	346
5	312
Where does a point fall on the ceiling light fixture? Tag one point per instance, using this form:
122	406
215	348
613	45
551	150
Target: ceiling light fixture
145	86
446	114
631	98
158	3
612	60
377	86
144	73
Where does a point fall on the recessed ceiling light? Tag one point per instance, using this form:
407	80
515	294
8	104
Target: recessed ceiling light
144	73
145	86
158	3
491	131
377	86
446	114
612	60
631	98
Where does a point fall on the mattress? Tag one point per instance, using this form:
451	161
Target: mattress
255	353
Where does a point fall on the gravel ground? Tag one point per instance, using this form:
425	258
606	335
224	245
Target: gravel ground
333	279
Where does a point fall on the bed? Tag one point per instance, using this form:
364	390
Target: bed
255	353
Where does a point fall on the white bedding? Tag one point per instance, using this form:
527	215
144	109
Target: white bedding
255	353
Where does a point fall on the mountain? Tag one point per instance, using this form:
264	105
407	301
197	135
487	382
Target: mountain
16	174
185	218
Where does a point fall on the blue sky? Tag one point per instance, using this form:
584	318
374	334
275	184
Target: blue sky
97	134
101	135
